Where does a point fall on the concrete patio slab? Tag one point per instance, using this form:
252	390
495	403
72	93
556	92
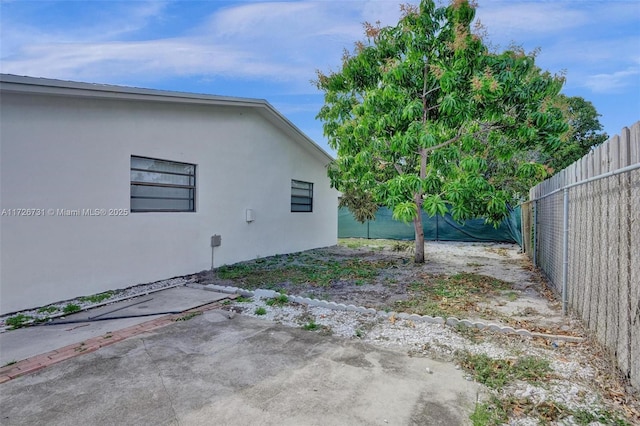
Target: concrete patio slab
242	371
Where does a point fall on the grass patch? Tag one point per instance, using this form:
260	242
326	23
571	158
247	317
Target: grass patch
243	299
489	413
585	417
18	321
97	298
278	301
447	296
495	373
497	411
357	243
260	311
71	308
301	269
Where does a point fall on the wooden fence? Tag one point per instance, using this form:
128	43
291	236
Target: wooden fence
582	228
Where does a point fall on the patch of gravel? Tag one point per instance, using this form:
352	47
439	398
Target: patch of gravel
571	382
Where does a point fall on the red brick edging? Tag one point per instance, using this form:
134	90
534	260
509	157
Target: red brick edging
38	362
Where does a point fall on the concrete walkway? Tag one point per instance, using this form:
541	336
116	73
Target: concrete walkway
119	320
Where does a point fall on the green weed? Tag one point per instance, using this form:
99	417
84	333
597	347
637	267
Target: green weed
584	417
260	311
97	298
48	310
497	411
188	316
71	308
310	326
278	301
495	373
18	321
489	413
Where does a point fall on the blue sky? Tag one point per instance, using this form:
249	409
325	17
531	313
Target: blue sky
270	50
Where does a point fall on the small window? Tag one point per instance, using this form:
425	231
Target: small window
301	196
162	186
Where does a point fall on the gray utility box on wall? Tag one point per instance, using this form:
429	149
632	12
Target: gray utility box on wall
216	241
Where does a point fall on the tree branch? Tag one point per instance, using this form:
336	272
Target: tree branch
458	136
424	92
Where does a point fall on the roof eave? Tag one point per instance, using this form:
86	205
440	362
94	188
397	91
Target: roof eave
43	86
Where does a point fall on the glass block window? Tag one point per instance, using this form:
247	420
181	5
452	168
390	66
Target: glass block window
162	186
301	196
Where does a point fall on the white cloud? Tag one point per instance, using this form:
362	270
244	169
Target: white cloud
507	21
613	82
173	56
251	20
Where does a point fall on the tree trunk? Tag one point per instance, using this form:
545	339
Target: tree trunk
419	231
417	221
417	224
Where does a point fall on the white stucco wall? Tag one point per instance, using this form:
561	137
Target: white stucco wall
74	153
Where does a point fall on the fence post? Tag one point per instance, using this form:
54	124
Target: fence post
565	250
535	233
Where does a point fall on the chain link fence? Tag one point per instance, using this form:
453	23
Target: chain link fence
604	263
549	217
582	229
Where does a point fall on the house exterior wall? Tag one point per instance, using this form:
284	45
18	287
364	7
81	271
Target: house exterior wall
67	152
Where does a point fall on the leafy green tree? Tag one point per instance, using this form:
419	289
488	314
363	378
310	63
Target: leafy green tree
585	132
422	116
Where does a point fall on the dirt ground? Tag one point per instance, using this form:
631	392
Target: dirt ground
527	303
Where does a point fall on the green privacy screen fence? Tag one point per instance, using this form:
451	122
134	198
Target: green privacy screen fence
437	228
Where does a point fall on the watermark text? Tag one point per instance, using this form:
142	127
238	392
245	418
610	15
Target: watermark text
39	212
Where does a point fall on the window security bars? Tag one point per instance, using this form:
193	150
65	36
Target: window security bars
301	196
162	186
